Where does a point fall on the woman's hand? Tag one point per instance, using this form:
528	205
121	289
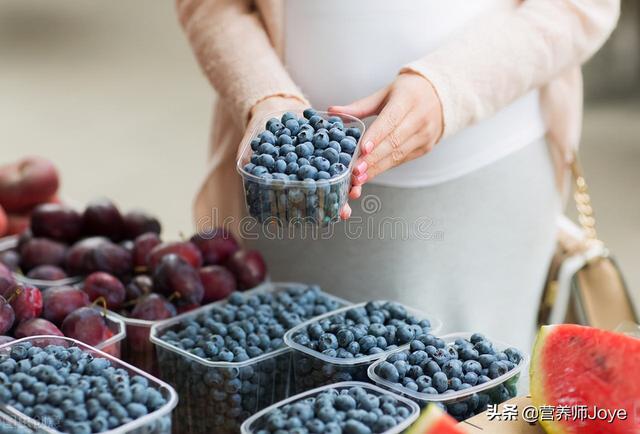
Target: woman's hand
409	124
264	108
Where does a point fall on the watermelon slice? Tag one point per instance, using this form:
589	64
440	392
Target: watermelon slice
435	421
574	366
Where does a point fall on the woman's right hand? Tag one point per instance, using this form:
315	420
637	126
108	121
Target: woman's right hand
264	108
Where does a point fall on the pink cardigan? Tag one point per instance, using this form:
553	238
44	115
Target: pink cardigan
537	44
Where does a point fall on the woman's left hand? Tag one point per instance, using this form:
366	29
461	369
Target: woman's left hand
409	124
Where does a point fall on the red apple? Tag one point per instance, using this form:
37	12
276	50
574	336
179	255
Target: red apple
17	223
218	283
27	183
4	222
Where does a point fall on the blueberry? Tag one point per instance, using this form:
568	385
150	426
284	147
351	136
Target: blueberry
484	347
471	378
322	164
254	144
275	127
344	159
367	342
293	126
249	167
307	172
337	169
513	355
280	166
336	134
332	155
268	149
259	171
309	112
284	140
354	132
453	368
472	366
348	145
321	140
328	341
267	137
440	382
389	372
267	161
497	369
272	121
305	135
486	360
292	169
304	150
323	175
336	146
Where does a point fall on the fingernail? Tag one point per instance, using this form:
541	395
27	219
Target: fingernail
368	147
362	178
360	168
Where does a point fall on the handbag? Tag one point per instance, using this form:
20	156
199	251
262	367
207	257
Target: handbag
585	284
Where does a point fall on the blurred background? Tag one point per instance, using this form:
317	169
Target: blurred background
111	93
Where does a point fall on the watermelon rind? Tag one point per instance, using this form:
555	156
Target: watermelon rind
434	420
574	365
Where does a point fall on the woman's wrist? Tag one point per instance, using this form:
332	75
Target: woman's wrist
277	103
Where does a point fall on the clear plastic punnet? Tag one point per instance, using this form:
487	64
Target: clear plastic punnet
464	403
257	422
312	369
296	201
157	422
216	397
11	243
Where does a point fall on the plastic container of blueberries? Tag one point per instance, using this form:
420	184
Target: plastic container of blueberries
286	202
11	243
453	402
312	369
157	422
13	425
207	405
257	421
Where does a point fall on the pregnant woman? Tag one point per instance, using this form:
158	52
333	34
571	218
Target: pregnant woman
477	107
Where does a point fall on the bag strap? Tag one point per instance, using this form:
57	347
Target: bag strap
582	198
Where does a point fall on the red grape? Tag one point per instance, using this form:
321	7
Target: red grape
100	284
60	302
216	247
174	274
27	303
143	245
56	222
102	218
249	268
86	325
218	283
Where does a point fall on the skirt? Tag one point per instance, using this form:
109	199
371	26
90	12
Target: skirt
473	251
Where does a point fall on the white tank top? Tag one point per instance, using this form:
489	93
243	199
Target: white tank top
338	51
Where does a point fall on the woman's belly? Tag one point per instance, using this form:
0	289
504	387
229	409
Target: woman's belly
338	51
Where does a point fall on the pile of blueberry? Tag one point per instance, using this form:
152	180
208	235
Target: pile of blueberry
368	330
72	391
244	327
431	367
248	325
349	410
310	149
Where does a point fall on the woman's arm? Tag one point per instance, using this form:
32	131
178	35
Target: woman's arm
499	58
232	46
504	56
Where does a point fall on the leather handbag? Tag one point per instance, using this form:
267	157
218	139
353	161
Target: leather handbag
585	285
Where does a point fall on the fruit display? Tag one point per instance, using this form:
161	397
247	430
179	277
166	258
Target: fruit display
64	311
299	167
582	366
25	184
349	407
74	388
464	373
123	262
434	420
228	359
340	346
